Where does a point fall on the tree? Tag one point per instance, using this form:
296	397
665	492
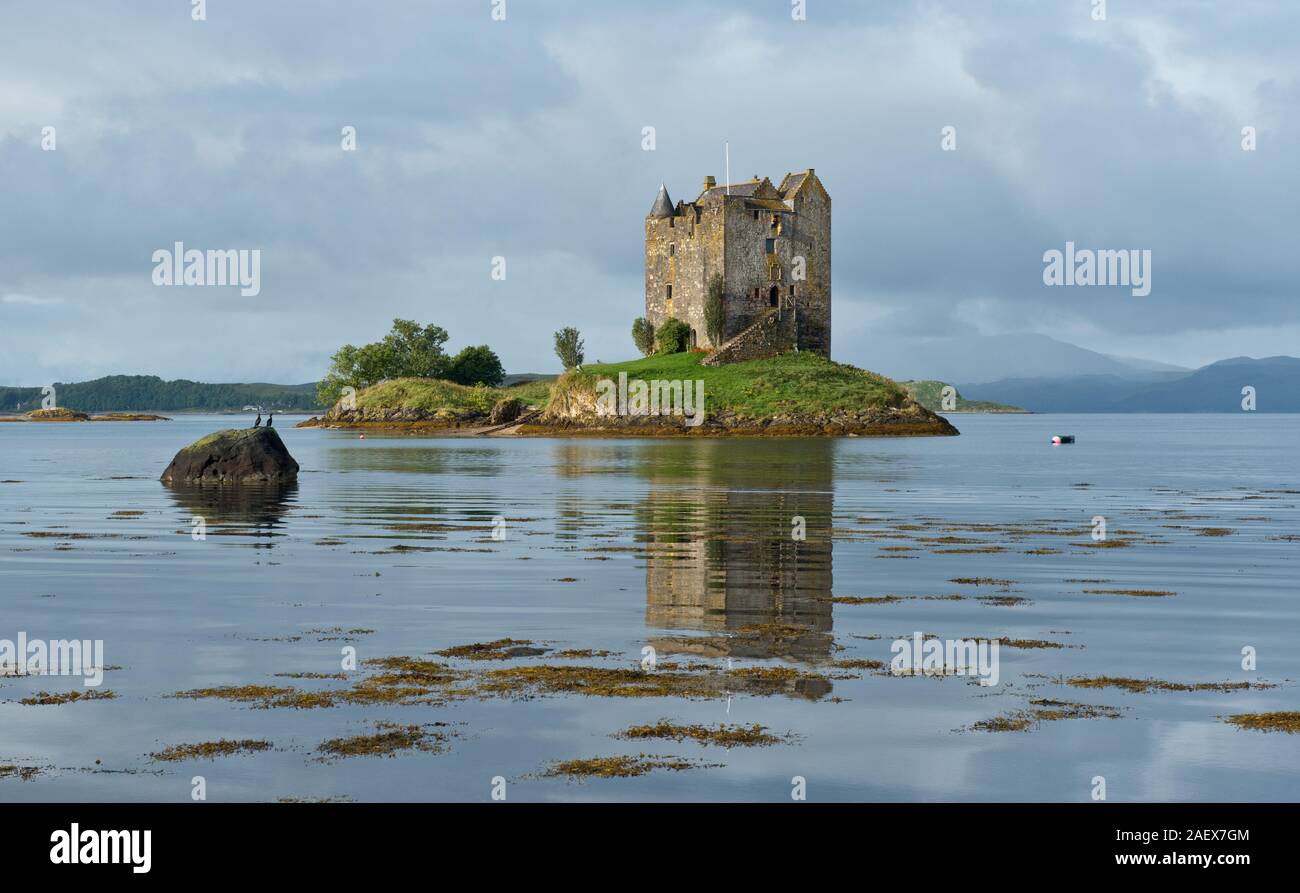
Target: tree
714	311
415	352
477	365
406	351
674	336
568	347
643	335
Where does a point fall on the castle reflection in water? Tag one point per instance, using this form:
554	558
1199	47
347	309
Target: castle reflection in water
722	556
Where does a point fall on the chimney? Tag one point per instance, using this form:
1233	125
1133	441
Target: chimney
709	183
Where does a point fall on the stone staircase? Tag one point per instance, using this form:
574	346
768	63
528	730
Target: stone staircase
772	334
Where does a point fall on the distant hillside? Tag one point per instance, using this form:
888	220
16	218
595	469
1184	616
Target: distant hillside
116	393
525	378
1213	388
929	393
975	358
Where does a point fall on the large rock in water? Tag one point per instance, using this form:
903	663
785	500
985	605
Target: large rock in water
234	456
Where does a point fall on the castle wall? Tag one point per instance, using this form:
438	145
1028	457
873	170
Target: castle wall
697	255
812	240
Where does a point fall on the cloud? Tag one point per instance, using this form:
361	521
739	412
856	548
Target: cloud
522	139
30	300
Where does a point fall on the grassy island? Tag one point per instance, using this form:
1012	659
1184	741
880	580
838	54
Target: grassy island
794	394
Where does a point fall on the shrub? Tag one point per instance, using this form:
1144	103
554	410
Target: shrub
674	336
477	365
643	335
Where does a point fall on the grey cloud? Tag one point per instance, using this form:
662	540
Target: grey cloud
522	139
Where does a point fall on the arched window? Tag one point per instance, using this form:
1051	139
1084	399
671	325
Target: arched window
672	249
774	297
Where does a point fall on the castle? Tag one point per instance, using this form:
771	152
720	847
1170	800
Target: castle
771	246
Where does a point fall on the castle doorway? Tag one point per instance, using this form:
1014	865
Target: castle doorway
774	297
693	340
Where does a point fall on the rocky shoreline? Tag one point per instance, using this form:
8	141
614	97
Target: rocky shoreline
503	413
907	420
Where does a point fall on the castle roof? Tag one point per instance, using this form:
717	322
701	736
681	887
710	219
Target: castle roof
766	204
742	189
792	182
663	206
758	194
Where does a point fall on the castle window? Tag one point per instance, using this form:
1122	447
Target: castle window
672	249
776	220
770	245
755	215
774	297
669	294
792	291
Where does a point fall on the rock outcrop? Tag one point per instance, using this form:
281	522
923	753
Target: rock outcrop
129	417
56	415
909	419
507	409
233	456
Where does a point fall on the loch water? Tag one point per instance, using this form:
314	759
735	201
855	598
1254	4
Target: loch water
722	555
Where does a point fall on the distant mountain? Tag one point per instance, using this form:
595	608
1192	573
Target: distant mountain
149	392
984	358
1213	388
1141	365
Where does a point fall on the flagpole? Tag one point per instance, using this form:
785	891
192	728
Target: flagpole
727	149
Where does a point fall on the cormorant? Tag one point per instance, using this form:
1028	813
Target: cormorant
268	419
259	420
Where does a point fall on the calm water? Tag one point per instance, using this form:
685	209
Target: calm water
386	545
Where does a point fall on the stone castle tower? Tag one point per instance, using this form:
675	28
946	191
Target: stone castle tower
772	247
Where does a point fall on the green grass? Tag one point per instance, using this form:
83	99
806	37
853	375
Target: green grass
433	394
533	393
793	382
804	383
428	394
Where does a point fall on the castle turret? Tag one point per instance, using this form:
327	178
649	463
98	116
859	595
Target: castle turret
663	206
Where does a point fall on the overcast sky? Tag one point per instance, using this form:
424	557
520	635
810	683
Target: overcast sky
523	138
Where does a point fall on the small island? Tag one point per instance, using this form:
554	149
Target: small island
735	340
790	394
931	394
63	414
